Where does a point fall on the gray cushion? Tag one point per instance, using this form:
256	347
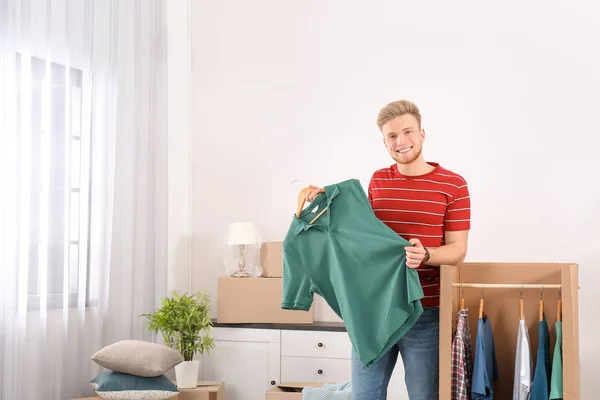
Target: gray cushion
137	357
112	385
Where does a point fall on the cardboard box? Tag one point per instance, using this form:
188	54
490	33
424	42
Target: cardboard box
271	259
255	300
204	391
501	304
290	390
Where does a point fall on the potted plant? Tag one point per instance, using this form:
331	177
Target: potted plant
181	320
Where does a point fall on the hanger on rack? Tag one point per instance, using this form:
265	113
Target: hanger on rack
481	313
542	304
559	308
521	314
462	296
302	200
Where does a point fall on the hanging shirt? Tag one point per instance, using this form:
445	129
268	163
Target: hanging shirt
485	366
540	390
556	381
523	364
357	264
462	358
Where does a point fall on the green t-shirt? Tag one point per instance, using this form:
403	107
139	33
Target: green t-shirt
357	264
556	382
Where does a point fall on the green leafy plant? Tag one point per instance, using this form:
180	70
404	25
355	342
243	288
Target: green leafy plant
182	320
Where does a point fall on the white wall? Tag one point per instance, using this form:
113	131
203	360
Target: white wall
508	93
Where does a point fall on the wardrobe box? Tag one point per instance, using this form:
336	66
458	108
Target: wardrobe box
271	259
290	390
501	303
255	300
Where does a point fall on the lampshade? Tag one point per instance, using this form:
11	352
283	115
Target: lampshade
242	233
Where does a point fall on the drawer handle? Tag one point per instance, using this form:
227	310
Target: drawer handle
320	344
320	372
272	382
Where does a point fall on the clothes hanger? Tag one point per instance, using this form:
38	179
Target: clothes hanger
462	296
542	304
481	304
521	315
302	200
559	308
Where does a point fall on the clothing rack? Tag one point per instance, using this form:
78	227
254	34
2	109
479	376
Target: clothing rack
516	288
507	285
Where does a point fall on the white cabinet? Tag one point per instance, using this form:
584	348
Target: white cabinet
315	356
315	344
305	369
251	361
247	360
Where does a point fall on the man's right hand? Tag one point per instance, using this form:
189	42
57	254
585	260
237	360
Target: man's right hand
312	192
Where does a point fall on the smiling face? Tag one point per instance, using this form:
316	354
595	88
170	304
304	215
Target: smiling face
403	138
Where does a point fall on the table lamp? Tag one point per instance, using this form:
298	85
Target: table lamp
242	234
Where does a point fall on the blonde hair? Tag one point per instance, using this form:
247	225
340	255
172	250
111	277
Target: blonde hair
396	109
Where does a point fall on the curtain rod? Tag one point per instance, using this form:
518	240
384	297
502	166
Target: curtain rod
507	286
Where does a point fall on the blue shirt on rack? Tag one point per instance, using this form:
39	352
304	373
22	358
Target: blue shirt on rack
485	368
540	389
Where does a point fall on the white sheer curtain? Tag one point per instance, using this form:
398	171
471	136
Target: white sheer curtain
83	191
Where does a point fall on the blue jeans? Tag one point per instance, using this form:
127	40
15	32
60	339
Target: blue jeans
419	350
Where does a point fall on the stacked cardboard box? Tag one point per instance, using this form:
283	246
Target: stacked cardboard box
271	259
258	300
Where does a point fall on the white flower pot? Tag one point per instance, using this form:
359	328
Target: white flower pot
186	374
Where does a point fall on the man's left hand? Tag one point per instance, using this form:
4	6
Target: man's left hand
414	254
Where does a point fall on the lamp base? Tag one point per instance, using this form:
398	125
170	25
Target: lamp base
240	274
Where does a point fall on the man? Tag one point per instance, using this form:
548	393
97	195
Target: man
429	206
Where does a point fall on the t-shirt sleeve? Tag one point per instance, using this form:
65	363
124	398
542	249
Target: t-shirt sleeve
458	213
296	286
370	192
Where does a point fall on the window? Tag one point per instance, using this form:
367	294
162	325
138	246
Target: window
59	184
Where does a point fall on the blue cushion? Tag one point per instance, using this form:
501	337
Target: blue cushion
117	385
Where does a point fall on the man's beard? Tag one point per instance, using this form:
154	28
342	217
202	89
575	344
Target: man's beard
405	160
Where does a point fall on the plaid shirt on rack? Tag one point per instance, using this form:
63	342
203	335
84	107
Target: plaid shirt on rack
462	358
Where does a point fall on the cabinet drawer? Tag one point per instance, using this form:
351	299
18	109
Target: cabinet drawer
315	344
304	369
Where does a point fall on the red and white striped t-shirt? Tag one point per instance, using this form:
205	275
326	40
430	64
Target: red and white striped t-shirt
422	207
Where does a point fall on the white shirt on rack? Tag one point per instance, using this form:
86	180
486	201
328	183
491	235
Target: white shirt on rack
523	364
